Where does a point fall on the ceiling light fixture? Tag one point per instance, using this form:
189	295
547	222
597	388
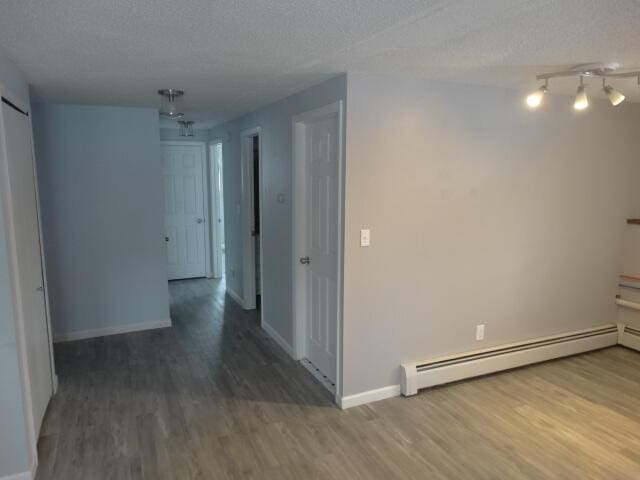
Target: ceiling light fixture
582	101
186	128
615	97
602	70
535	99
169	104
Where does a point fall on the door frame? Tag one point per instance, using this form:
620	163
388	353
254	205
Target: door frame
205	191
299	217
248	240
16	293
216	236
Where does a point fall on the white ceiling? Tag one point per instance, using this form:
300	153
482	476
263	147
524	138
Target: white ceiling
233	56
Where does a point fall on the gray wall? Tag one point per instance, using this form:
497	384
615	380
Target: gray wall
101	191
14	450
275	121
481	212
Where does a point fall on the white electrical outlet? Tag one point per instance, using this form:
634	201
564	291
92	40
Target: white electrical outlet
480	332
365	237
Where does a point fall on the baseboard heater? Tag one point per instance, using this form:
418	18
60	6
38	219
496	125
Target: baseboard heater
629	337
438	371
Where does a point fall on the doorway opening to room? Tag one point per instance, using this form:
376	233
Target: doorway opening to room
251	154
193	209
186	209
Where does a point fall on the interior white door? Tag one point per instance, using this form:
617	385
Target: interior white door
32	309
184	210
322	219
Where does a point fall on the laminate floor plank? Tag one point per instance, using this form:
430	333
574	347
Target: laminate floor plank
214	397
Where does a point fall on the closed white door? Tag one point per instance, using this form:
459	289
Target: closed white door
184	210
31	305
322	220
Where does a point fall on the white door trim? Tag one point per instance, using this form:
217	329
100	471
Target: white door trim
299	228
32	428
248	243
206	200
216	228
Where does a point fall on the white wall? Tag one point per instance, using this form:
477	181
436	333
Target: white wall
101	191
275	121
481	212
14	449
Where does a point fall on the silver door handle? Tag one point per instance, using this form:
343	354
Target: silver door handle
200	220
305	260
40	289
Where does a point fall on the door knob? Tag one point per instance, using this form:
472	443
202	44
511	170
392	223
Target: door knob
200	220
305	260
166	239
40	289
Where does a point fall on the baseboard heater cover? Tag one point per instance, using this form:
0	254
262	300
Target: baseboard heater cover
438	371
630	337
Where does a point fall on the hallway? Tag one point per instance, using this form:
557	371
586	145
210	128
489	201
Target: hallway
214	398
156	404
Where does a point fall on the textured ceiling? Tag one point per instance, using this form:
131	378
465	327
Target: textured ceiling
232	56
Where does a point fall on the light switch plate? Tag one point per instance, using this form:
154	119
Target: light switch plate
365	237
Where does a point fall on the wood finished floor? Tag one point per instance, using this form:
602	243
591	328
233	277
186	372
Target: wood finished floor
214	398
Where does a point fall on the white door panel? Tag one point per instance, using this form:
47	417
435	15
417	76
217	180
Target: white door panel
32	309
184	204
322	157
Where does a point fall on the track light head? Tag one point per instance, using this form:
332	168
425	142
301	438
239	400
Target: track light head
534	99
615	97
582	101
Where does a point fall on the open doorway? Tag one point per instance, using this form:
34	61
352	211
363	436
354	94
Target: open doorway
251	153
216	194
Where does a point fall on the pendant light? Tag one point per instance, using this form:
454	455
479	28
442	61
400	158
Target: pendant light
169	106
186	128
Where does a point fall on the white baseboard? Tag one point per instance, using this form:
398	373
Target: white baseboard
102	332
19	476
369	396
278	339
236	297
28	475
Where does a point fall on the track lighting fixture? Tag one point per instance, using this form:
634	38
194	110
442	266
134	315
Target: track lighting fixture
535	99
582	101
602	70
615	97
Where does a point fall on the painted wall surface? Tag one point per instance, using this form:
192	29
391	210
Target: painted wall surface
275	121
101	191
14	450
481	212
